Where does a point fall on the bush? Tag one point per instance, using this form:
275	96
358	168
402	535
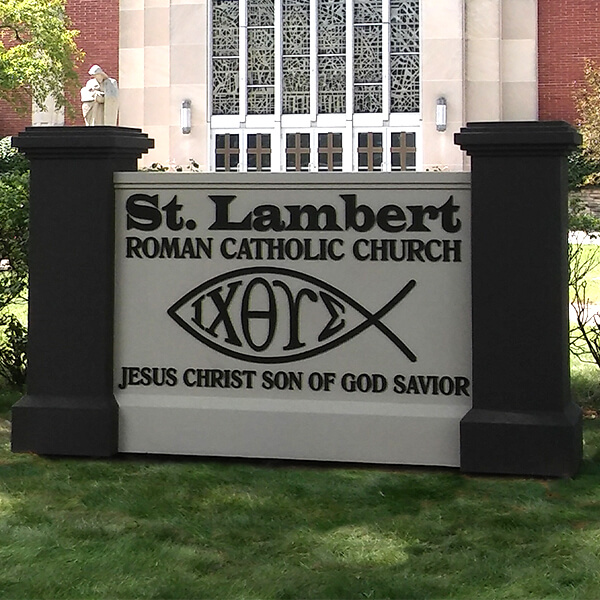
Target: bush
14	236
11	160
583	169
13	357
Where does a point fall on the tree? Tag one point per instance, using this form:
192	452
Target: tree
588	104
38	53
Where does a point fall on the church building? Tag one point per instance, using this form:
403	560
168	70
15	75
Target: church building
330	85
323	85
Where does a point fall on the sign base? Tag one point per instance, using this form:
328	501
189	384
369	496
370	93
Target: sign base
340	431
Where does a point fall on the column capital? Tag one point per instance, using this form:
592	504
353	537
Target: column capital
518	138
80	142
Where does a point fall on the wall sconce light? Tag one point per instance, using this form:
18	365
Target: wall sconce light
185	116
441	115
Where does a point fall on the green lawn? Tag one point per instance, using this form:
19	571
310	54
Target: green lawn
189	528
136	527
591	256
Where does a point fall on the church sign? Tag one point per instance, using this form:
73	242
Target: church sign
272	315
391	318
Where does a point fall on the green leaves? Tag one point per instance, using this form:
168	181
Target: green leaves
14	236
37	52
588	103
13	357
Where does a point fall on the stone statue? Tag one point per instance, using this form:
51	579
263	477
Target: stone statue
100	99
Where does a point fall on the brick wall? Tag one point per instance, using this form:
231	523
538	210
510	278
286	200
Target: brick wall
98	23
568	32
10	122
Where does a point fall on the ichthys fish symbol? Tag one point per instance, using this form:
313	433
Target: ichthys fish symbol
277	315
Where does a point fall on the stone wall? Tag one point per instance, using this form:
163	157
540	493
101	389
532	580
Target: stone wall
591	199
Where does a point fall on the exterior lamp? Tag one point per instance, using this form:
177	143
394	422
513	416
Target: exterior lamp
441	116
185	116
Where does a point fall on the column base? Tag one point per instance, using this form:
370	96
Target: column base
535	444
72	426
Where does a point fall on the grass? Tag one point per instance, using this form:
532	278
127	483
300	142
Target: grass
188	528
591	254
134	527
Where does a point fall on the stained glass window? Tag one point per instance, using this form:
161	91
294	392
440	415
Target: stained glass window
297	61
404	56
261	57
296	56
225	58
332	56
368	57
366	63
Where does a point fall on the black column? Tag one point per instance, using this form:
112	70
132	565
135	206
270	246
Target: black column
522	421
69	408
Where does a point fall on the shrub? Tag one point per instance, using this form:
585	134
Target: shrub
583	169
13	357
14	236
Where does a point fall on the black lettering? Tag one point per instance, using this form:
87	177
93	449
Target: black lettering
133	247
222	306
331	328
174	223
143	212
294	311
429	254
268	217
462	386
448	211
452	250
312	214
418	217
352	211
387	215
269	315
222	215
399	385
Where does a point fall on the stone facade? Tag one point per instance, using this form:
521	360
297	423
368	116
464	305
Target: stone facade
479	54
491	59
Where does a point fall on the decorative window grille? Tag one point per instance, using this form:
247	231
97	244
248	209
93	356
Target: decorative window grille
295	60
330	151
368	56
261	57
225	57
403	151
258	152
331	56
370	65
404	56
227	154
297	151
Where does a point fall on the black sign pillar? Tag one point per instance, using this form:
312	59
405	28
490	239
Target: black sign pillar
69	408
522	420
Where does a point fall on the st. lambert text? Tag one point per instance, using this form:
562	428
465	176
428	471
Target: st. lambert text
145	213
